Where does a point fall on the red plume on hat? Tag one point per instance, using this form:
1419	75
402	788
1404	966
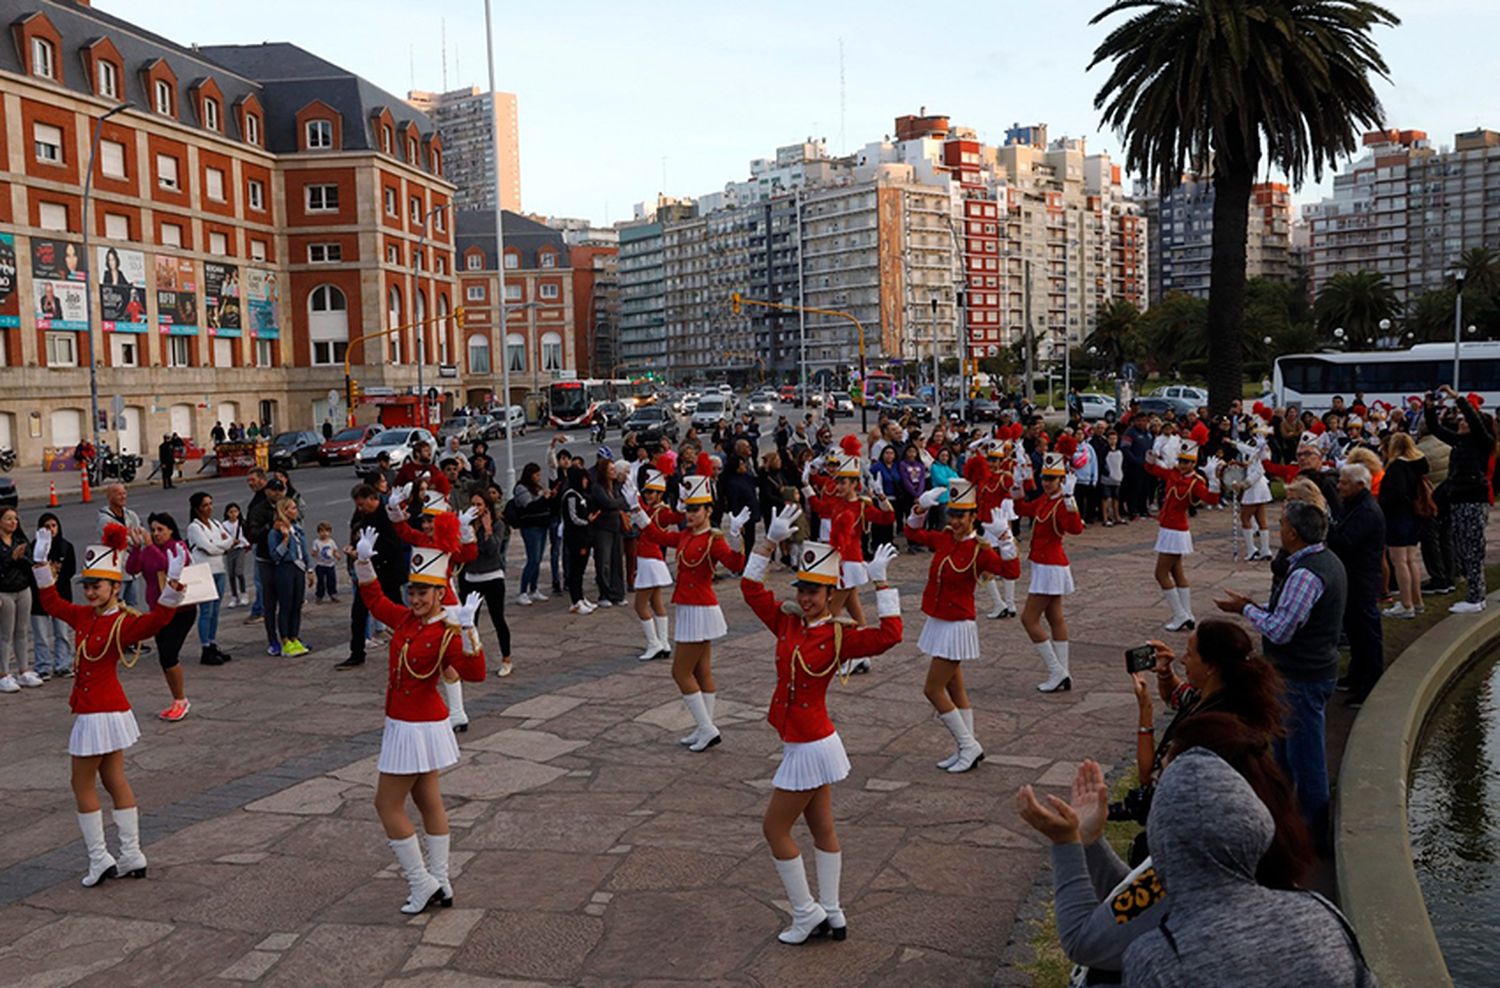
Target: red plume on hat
116	537
1475	398
976	469
1317	428
445	532
1067	445
1266	412
850	445
704	465
1017	430
664	464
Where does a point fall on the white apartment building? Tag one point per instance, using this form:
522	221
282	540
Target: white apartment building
479	129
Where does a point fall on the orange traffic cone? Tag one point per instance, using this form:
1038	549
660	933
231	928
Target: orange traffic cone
88	495
51	493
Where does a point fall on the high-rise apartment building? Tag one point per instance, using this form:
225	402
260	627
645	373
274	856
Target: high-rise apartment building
1407	210
479	129
1182	232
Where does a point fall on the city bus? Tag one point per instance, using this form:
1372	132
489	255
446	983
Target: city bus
1311	380
570	404
878	387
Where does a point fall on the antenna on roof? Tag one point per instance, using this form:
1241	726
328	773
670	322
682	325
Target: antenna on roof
411	64
842	143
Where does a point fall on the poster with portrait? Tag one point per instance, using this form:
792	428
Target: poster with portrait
10	306
176	296
221	299
58	273
262	303
122	290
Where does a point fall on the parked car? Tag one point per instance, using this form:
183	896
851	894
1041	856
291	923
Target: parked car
898	405
974	410
292	449
1096	406
467	428
500	422
762	404
650	424
8	496
345	446
711	408
396	442
1198	396
1156	405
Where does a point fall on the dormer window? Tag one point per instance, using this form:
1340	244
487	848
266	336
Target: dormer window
437	162
549	260
385	140
252	129
108	79
43	59
319	135
411	150
163	96
211	113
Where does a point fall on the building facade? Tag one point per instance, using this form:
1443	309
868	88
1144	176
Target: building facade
596	308
1182	225
479	130
255	212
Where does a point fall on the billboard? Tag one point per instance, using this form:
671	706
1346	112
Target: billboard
176	296
262	303
122	290
58	273
10	303
221	299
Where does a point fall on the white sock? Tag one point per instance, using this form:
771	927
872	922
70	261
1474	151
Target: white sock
794	879
100	860
418	879
968	716
708	703
830	866
1185	601
128	823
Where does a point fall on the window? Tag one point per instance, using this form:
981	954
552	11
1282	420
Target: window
392	254
479	354
62	350
116	227
218	243
512	292
392	320
124	350
319	134
163	91
474	262
42	58
171	235
47	140
52	216
179	353
411	150
112	159
390	202
255	191
474	293
166	172
437	162
442	265
551	352
325	253
549	291
439	221
549	260
265	353
515	352
322	198
385	139
326	298
252	128
213	184
257	250
211	113
223	353
416	209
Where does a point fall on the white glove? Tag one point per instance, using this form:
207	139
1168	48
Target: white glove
1008	512
995	526
1213	468
466	516
1069	482
395	508
738	521
628	488
639	516
41	546
930	499
878	566
807	470
781	523
466	612
1071	504
364	548
176	560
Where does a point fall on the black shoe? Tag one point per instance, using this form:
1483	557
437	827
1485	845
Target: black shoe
1355	700
1344	684
352	662
223	654
210	658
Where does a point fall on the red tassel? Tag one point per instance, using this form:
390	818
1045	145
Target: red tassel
1475	399
445	532
976	470
116	537
1066	445
664	465
850	445
704	466
1317	428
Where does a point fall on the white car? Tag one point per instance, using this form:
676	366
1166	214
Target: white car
711	409
397	442
762	405
513	418
1096	406
1185	392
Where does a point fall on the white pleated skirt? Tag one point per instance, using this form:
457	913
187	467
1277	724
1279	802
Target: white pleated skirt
1257	493
956	641
810	764
699	623
651	573
853	576
1173	542
99	734
1055	581
413	747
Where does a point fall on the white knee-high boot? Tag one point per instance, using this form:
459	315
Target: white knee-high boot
707	735
425	890
967	713
1060	649
830	867
997	604
1010	597
1182	615
1250	551
969	751
661	633
653	645
1057	673
808	918
101	862
132	863
1265	543
453	698
1185	599
437	862
1169	595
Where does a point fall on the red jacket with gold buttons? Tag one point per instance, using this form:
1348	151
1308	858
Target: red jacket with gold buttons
955	569
102	641
696	554
1054	519
1182	489
664	518
806	663
849	520
419	651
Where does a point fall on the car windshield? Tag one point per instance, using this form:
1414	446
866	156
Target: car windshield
348	435
286	439
455	423
393	438
710	404
650	412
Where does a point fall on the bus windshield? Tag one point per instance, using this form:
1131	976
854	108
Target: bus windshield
568	400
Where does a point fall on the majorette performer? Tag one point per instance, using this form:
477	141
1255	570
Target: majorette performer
651	573
700	621
850	515
811	644
1055	515
418	742
104	726
437	527
1181	486
994	475
950	637
1257	492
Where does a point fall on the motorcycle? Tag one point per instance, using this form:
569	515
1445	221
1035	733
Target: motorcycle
107	464
7	459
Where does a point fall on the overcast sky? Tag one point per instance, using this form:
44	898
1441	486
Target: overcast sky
615	95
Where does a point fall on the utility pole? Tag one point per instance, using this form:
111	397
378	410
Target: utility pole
510	449
1030	389
1458	325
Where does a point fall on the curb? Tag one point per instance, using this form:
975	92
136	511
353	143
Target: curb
1378	885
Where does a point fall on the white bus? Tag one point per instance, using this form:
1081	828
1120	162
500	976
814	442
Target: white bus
1311	380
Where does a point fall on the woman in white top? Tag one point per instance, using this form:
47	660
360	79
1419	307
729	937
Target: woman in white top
208	540
1257	493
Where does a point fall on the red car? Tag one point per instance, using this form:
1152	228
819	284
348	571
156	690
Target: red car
345	446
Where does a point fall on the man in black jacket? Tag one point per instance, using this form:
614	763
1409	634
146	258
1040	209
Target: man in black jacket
389	562
1358	539
166	461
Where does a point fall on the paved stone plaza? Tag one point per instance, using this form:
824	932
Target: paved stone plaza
589	848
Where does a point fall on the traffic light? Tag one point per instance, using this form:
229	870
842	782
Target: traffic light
734	303
458	316
354	393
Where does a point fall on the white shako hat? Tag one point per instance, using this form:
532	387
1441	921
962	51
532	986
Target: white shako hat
847	466
433	503
1054	465
963	495
1311	440
1187	450
655	480
697	490
819	564
100	562
429	567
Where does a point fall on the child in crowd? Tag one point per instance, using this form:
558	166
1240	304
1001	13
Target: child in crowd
325	553
801	528
1114	476
237	561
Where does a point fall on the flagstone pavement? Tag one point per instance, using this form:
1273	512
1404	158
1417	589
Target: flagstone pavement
589	848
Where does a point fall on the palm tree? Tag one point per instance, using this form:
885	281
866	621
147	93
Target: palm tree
1357	301
1480	267
1233	85
1114	334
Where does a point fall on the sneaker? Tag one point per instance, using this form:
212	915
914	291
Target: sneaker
524	600
210	658
65	673
577	609
1434	587
1397	611
1462	607
293	647
44	674
506	668
8	684
178	710
252	618
373	644
537	595
273	649
605	602
557	590
588	606
29	678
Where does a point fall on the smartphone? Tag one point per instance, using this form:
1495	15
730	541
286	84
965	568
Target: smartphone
1140	658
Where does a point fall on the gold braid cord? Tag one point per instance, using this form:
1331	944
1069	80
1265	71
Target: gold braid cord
838	646
111	642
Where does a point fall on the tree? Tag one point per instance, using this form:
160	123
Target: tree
1480	267
1114	335
1357	301
1174	332
1232	86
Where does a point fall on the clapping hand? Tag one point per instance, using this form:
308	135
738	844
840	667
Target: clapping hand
781	523
364	549
881	564
395	507
1090	803
466	612
1056	821
176	560
42	546
738	521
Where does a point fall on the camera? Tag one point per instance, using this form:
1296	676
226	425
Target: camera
1141	658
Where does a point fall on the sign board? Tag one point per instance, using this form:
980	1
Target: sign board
446	371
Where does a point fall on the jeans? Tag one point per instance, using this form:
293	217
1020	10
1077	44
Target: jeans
15	631
291	590
236	565
1366	643
535	540
51	643
262	581
328	581
554	548
208	614
1302	754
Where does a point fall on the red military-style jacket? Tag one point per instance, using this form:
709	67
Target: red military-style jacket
664	518
101	643
956	566
419	652
467	553
1182	488
1053	520
806	661
697	552
848	537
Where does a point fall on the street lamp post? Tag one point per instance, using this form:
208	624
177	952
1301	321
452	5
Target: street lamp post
1458	324
937	369
88	266
422	323
510	449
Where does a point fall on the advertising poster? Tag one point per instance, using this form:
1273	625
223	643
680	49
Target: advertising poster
262	302
221	299
58	270
176	296
10	307
122	290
